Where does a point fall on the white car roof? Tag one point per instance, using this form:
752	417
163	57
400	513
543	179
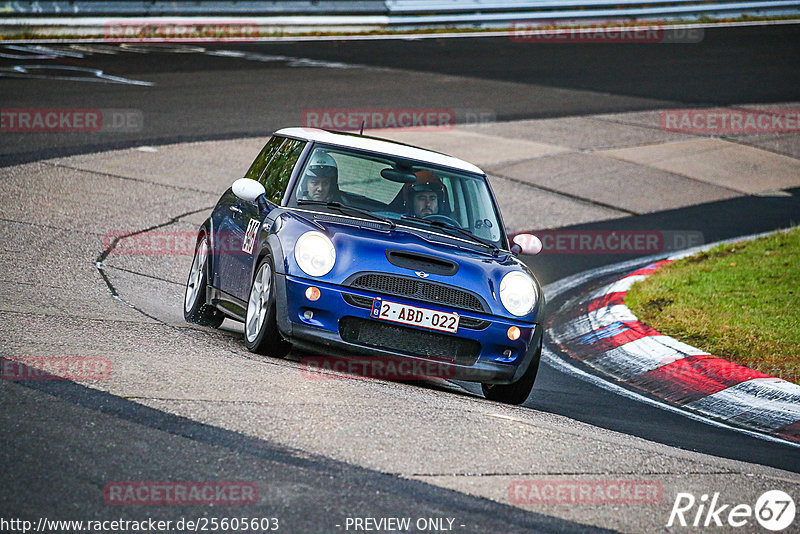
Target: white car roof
379	145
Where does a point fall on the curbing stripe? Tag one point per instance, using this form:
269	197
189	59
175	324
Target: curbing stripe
610	315
653	267
636	358
694	377
604	338
762	403
608	337
623	285
609	299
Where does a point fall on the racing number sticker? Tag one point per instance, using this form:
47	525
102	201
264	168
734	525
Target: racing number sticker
250	236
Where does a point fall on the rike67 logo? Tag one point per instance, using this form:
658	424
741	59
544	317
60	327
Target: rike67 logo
774	510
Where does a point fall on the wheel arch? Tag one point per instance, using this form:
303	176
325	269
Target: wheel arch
270	245
207	229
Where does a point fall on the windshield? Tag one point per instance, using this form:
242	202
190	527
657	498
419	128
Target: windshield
407	192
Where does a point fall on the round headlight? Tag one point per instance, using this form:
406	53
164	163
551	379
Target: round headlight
518	293
315	254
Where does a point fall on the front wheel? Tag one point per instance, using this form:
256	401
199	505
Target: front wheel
517	392
261	328
195	308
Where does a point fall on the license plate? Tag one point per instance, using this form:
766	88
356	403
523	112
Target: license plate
403	313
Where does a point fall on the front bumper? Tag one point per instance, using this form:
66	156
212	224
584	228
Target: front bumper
327	326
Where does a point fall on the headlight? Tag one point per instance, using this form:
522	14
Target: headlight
518	293
315	254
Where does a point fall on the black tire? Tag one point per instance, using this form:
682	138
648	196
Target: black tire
195	308
262	336
517	392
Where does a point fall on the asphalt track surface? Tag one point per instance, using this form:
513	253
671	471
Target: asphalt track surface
306	493
202	96
58	437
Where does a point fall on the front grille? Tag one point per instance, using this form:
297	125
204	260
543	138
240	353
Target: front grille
409	340
358	300
366	302
419	290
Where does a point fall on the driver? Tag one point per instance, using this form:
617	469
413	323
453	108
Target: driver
426	196
320	181
426	201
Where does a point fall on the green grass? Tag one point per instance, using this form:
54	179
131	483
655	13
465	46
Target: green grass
740	302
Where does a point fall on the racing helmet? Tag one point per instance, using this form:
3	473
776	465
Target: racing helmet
426	181
321	165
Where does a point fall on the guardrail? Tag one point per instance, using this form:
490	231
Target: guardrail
99	8
434	10
85	17
504	11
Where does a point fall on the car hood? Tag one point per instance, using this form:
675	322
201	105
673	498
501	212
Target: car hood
375	248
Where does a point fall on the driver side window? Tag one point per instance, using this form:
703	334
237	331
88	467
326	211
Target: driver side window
279	170
274	164
260	163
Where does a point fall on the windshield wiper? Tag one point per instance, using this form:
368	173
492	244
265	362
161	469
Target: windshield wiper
448	226
342	208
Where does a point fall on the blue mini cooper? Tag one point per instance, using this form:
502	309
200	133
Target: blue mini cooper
341	243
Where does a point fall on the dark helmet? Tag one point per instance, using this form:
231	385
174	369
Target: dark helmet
426	181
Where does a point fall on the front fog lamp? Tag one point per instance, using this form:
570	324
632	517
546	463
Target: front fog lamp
518	293
315	254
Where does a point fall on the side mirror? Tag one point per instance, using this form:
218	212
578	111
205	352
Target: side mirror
248	189
526	244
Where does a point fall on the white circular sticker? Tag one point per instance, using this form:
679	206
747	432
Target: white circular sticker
775	510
